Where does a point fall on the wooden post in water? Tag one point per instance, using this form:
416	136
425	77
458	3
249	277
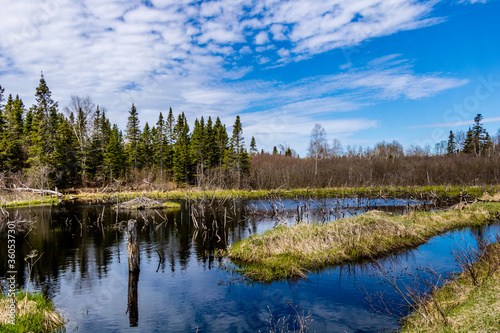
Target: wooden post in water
133	306
132	246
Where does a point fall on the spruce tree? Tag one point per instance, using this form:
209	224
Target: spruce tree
253	146
44	126
133	136
113	155
221	143
210	146
159	144
145	149
478	141
238	158
169	141
197	149
181	158
451	148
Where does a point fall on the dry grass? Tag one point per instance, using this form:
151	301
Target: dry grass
291	252
34	313
467	307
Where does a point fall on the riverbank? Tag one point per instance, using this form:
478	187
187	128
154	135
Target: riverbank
470	303
34	313
291	252
106	196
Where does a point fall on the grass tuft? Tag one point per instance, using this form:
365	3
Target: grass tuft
34	313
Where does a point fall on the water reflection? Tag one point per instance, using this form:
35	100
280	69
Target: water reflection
84	268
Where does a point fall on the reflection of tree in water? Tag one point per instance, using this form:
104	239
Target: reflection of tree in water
79	244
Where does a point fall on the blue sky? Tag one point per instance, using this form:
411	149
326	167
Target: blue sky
366	70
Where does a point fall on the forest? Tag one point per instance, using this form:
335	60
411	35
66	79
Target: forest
42	147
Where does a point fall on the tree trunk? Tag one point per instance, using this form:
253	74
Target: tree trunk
132	246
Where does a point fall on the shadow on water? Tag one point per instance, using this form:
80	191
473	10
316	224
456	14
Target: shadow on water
84	268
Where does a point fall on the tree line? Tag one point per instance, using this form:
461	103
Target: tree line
80	147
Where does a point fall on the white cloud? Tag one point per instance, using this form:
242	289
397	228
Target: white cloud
261	38
185	55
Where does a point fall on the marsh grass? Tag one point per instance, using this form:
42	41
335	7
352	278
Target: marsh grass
291	252
34	313
415	192
465	304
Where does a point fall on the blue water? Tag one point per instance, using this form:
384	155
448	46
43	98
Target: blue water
85	271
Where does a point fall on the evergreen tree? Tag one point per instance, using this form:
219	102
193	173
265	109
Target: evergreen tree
159	144
169	141
145	149
210	146
477	141
44	126
221	143
253	146
113	155
197	149
275	150
181	158
133	136
289	152
65	162
451	148
238	158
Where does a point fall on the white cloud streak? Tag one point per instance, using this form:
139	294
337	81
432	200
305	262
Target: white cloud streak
194	56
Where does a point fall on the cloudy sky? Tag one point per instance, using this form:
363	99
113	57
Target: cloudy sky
366	70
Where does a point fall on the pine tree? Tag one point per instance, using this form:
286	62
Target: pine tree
159	144
221	143
44	128
145	149
113	155
210	146
65	161
133	136
197	149
275	150
478	141
238	158
169	141
253	146
451	148
181	160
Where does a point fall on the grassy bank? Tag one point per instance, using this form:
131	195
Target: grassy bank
462	305
402	191
34	313
288	252
416	192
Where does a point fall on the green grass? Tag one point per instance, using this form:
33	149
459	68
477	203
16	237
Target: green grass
289	252
34	313
26	203
416	191
467	307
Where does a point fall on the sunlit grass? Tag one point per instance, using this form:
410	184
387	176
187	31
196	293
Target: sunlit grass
288	252
34	313
467	307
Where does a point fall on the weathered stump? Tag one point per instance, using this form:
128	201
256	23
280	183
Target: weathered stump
132	306
132	246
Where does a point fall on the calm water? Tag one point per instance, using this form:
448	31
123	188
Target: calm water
182	286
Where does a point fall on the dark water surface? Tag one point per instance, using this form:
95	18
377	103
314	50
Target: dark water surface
182	287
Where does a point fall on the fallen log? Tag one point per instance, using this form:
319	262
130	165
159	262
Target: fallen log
34	190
